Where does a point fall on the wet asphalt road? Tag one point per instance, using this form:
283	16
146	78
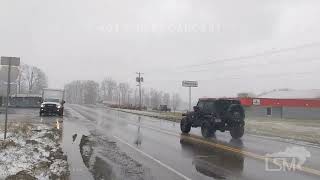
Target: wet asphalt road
126	146
163	153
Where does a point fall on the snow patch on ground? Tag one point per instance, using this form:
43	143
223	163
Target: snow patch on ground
33	150
59	167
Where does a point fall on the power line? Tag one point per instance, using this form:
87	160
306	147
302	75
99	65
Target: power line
261	54
312	59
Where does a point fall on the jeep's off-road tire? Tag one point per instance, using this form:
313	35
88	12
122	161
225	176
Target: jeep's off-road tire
206	130
237	132
185	126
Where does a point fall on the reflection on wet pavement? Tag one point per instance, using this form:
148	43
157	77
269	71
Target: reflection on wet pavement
104	159
161	141
74	137
213	162
70	145
138	140
57	124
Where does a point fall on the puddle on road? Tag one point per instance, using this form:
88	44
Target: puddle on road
72	134
106	161
213	162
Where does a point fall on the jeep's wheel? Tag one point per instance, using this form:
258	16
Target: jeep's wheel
185	126
237	132
206	130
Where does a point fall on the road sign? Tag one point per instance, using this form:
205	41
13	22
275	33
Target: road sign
14	73
190	83
13	61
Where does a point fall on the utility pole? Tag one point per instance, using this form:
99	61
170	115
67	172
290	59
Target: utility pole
119	105
8	61
7	101
139	80
190	99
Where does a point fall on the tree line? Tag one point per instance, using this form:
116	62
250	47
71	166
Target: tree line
120	93
31	80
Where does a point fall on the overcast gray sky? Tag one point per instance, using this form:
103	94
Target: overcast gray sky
91	39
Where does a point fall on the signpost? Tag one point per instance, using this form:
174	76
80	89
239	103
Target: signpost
8	61
190	84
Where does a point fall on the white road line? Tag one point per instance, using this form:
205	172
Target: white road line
154	159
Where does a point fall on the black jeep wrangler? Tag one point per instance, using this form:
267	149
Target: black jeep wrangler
215	114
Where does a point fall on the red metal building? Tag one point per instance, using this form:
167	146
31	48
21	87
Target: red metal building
302	104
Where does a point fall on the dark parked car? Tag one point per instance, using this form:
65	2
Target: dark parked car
215	114
164	108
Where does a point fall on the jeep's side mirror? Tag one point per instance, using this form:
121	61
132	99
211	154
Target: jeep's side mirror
63	102
195	108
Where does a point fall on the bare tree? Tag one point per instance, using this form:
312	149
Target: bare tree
91	91
135	96
129	96
108	88
166	99
34	77
21	80
74	92
176	100
155	98
124	88
29	76
82	92
146	98
40	81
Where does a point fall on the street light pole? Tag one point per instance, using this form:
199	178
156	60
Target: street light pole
189	98
9	62
7	101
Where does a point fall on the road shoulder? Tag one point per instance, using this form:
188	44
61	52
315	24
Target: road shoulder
32	151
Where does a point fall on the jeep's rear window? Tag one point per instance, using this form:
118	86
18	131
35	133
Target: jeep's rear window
209	106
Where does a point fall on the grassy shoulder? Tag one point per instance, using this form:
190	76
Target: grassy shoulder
301	130
32	152
170	116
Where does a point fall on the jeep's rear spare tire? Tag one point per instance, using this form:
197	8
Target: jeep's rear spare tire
185	126
237	132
